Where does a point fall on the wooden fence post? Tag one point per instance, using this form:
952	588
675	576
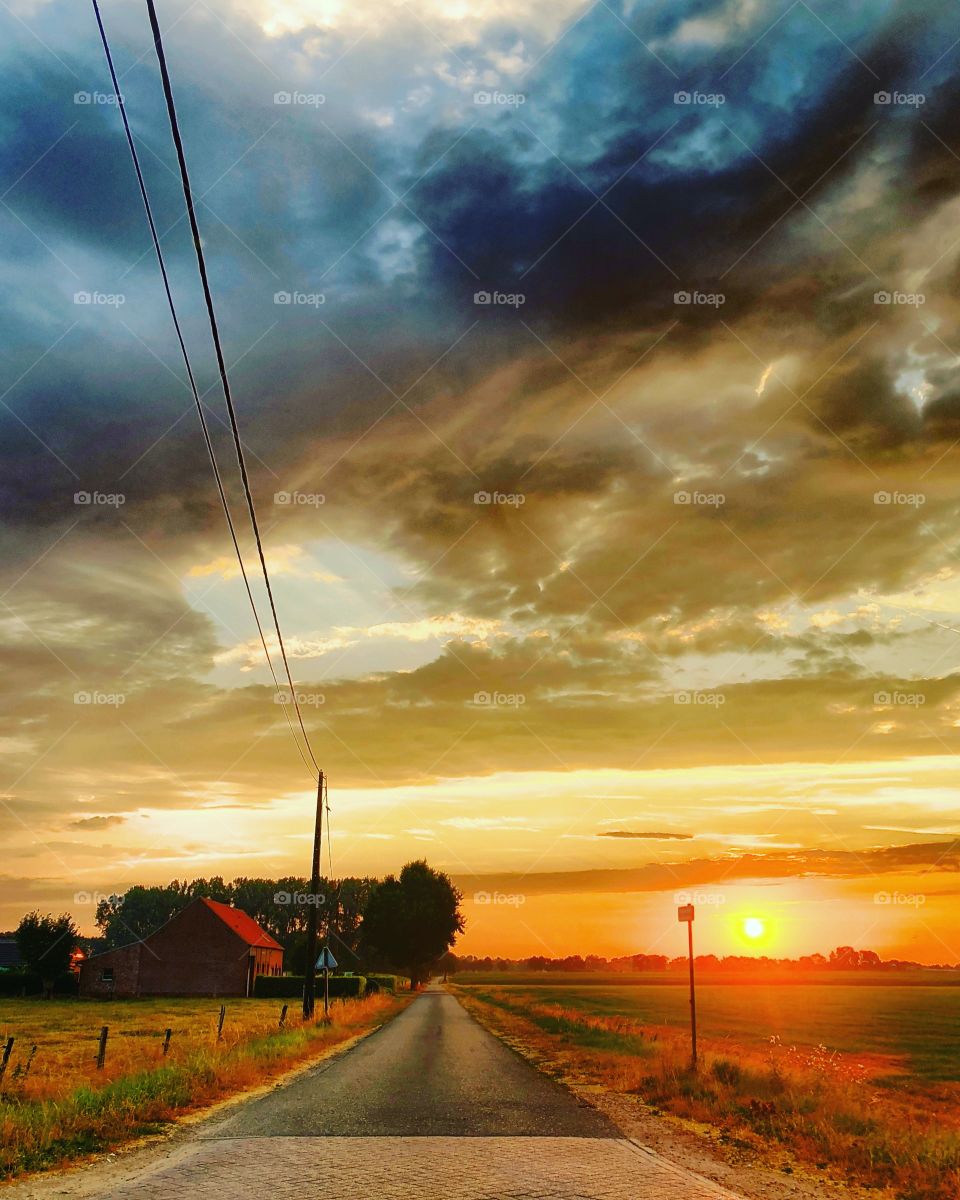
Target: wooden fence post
166	1042
7	1051
223	1013
102	1048
283	1016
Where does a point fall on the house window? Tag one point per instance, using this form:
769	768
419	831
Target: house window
106	975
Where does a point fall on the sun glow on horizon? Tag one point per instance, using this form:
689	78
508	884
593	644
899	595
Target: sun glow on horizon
754	927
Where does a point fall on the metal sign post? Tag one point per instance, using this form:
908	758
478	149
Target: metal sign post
685	914
326	963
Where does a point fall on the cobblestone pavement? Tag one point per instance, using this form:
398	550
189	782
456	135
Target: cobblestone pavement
452	1168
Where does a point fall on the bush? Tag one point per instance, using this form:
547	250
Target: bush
388	983
26	983
727	1072
290	987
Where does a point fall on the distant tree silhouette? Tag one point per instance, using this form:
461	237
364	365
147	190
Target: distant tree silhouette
46	944
844	958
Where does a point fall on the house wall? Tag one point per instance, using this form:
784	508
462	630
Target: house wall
195	954
125	964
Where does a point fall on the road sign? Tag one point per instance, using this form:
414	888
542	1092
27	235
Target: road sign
326	961
685	912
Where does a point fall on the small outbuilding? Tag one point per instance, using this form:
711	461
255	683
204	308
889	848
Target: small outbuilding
207	949
9	954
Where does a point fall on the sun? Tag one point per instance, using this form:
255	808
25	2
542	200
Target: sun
753	927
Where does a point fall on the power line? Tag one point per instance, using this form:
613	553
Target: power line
186	361
221	363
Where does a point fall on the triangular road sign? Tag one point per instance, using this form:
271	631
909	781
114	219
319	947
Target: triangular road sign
326	961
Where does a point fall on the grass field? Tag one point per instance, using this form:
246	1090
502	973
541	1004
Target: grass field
916	1028
918	977
861	1082
63	1106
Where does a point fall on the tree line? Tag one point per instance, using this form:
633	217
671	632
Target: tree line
843	958
405	922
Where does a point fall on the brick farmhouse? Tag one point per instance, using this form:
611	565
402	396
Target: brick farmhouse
207	949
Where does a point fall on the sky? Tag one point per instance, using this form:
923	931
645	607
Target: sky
597	370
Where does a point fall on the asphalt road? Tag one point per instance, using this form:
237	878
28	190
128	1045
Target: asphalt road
430	1105
432	1071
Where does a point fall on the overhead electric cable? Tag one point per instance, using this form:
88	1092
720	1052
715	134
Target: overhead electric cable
186	362
221	362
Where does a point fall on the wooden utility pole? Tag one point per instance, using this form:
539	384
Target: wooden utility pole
685	913
310	976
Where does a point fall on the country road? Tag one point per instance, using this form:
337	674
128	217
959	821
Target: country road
430	1105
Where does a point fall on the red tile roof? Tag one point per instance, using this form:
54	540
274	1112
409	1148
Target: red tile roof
242	924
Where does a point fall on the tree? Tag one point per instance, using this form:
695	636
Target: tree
411	921
844	958
46	944
127	918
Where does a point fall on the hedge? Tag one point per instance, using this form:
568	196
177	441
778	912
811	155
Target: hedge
390	983
26	983
289	987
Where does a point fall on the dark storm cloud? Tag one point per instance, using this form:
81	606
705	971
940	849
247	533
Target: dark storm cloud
600	547
713	183
60	162
309	186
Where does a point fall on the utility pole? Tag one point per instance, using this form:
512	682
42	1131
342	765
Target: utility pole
685	913
309	980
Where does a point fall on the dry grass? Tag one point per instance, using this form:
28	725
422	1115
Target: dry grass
64	1107
830	1111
